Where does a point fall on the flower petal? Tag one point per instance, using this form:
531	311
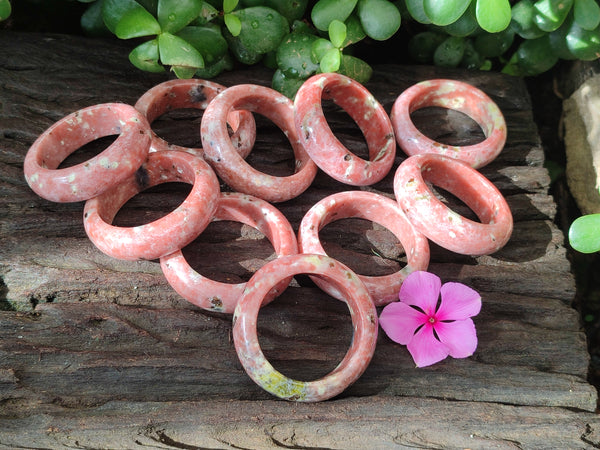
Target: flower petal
425	348
400	321
458	302
460	337
421	289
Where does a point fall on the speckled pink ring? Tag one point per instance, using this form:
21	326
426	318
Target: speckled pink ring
362	311
376	208
321	144
458	96
231	167
167	234
440	223
94	176
223	297
194	93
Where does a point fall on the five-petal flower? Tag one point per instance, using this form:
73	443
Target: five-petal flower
430	327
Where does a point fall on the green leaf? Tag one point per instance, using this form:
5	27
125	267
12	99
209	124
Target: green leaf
239	51
262	28
91	20
354	31
379	18
583	44
325	11
137	23
174	51
294	55
229	5
330	62
421	46
523	20
558	40
5	9
445	12
173	15
337	33
290	9
465	25
145	57
493	15
233	24
184	72
209	42
355	68
471	58
114	10
211	71
550	14
417	10
584	233
319	48
534	56
288	86
492	45
450	52
587	14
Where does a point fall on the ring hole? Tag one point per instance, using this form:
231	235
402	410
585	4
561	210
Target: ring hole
180	127
366	247
345	129
304	333
152	204
229	252
447	126
86	151
272	153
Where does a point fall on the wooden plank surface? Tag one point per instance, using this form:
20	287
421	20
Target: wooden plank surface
103	352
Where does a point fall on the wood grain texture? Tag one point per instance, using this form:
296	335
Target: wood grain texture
97	352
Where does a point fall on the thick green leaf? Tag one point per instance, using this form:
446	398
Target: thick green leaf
421	46
290	9
174	51
492	45
211	71
534	56
330	62
91	20
583	44
173	15
550	14
318	49
184	72
587	14
558	40
288	86
239	51
262	28
355	68
584	233
233	24
466	24
207	40
325	11
445	12
450	52
114	10
471	58
523	20
294	55
229	5
354	31
337	33
137	23
380	18
417	10
493	15
145	57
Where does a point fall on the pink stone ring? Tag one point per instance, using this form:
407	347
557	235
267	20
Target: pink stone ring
440	223
376	208
167	234
362	311
454	95
86	180
223	297
197	94
325	149
231	167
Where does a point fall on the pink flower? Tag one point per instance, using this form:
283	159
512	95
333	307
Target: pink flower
430	331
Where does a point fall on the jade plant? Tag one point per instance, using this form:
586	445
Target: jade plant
298	38
584	233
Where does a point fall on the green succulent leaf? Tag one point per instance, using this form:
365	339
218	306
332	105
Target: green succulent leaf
379	18
584	233
550	14
290	9
421	46
331	60
145	57
287	85
209	42
492	45
233	24
325	11
355	68
91	20
583	44
445	12
175	51
294	55
137	23
466	24
493	15
534	56
212	70
229	5
417	10
450	52
354	31
318	49
262	28
587	14
523	20
114	10
558	40
337	33
173	15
